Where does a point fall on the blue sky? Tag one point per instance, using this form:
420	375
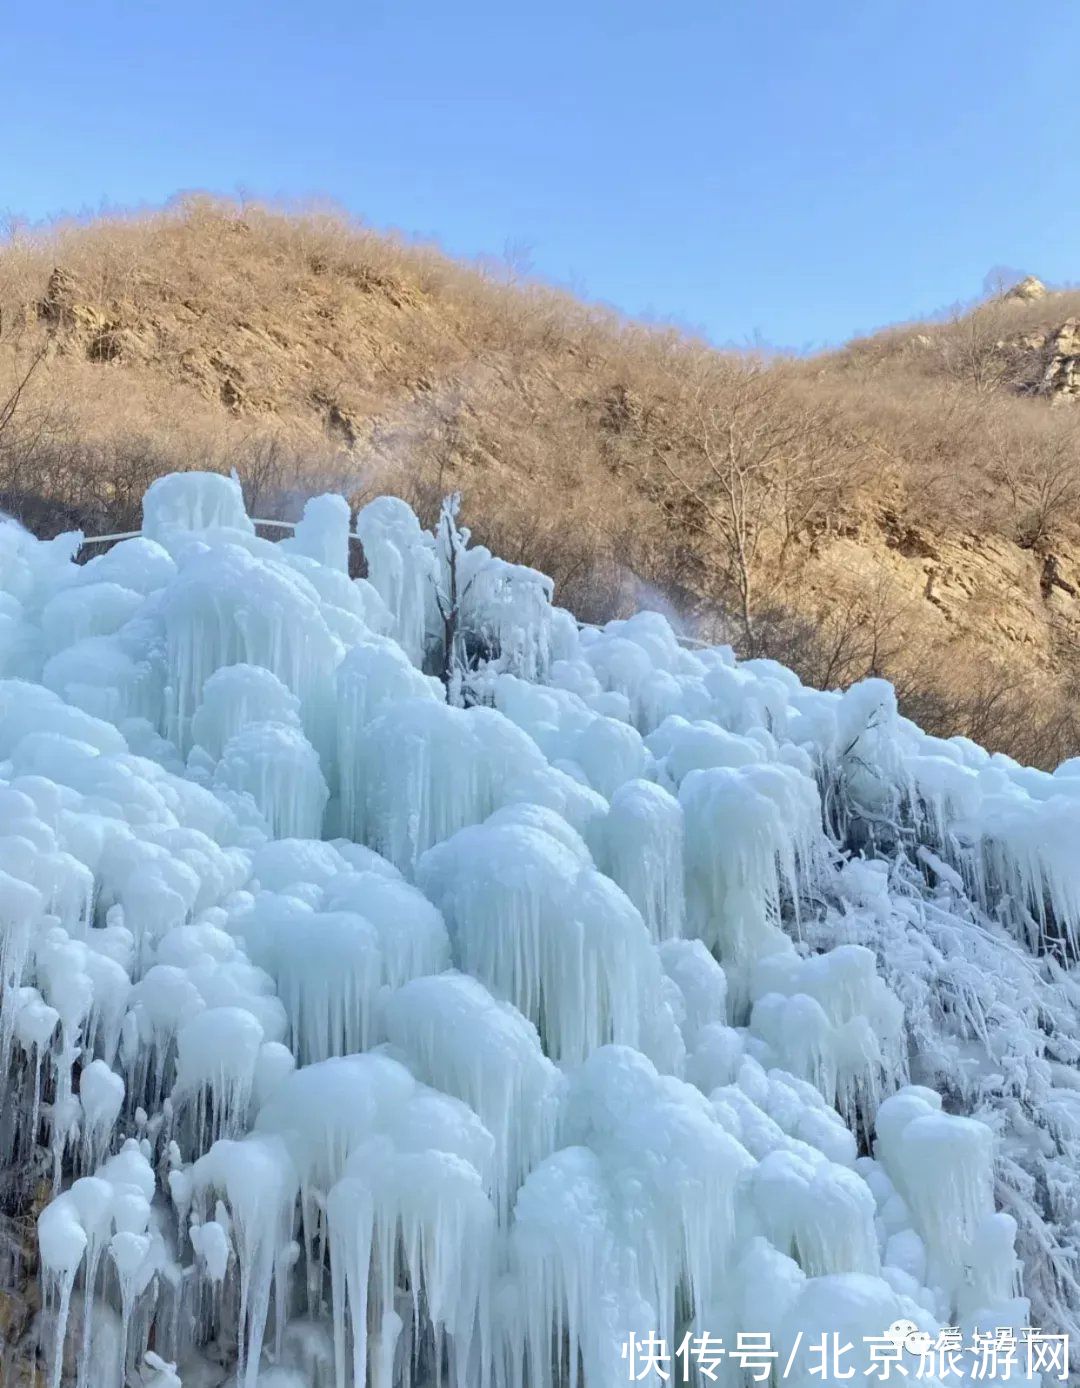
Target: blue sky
795	170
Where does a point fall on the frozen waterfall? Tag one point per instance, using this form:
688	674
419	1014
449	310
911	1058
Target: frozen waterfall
618	1013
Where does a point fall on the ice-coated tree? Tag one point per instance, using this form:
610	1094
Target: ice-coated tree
451	542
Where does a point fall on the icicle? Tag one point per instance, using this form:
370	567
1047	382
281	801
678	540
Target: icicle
747	829
373	677
62	1242
227	608
101	1097
235	697
644	854
819	1213
259	1181
402	566
278	767
546	932
858	1049
428	770
942	1164
217	1052
456	1037
429	1204
20	907
74	1231
506	612
35	1026
322	533
193	501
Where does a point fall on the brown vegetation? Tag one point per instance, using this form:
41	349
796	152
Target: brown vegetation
893	508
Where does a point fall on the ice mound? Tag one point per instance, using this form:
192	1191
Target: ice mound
402	985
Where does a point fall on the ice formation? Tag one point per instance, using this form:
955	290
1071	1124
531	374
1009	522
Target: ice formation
401	984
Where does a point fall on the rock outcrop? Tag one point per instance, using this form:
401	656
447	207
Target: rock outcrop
1027	291
1061	378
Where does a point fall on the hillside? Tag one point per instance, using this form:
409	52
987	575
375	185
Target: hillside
908	505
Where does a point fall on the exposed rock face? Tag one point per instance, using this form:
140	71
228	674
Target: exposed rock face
1027	291
1047	358
1061	378
62	307
24	1192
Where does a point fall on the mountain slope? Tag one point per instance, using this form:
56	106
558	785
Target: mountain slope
905	506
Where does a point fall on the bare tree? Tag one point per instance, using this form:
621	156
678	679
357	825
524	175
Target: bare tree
451	541
9	406
1041	471
979	347
763	474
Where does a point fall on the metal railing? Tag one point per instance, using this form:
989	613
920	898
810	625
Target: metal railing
134	534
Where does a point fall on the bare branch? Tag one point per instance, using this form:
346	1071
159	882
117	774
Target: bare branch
11	404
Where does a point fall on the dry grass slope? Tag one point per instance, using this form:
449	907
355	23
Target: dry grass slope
909	505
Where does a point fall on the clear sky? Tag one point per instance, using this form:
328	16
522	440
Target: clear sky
798	170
